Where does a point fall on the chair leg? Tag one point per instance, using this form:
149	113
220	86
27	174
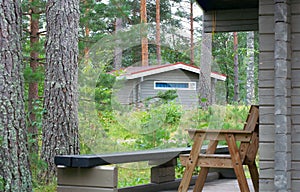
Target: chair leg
237	163
201	179
204	170
240	175
254	176
190	167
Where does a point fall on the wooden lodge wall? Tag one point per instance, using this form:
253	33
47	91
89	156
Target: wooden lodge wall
231	20
283	46
267	70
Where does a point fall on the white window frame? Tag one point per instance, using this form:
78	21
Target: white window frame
191	85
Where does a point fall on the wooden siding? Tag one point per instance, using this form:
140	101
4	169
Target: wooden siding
124	91
266	95
231	20
187	98
286	54
295	22
139	89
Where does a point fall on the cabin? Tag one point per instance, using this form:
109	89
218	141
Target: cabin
277	23
140	83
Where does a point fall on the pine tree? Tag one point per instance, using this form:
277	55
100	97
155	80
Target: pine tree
60	120
250	96
144	33
158	43
35	9
205	70
15	173
236	67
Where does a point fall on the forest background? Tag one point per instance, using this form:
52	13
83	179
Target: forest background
107	129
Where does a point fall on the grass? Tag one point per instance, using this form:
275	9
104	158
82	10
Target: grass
132	174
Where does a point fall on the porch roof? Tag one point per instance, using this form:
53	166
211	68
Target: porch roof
213	5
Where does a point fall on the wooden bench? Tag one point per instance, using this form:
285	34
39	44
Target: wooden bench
242	154
89	173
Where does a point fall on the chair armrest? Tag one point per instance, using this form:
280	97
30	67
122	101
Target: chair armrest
221	131
214	134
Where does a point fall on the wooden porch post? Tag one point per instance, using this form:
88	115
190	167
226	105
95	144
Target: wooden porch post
282	96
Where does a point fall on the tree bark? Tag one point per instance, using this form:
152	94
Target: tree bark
15	173
158	45
192	57
87	35
33	86
118	49
205	71
60	121
250	97
144	33
236	67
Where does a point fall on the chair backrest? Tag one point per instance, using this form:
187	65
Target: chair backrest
248	150
252	119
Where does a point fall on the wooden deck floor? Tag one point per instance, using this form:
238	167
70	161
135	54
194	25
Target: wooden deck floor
220	185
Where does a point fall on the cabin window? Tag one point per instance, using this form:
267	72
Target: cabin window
166	85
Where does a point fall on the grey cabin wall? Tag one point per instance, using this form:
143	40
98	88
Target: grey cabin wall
125	90
187	98
133	90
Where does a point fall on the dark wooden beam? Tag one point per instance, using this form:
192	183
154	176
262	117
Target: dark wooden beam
87	161
214	5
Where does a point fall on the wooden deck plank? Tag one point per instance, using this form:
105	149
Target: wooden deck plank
219	185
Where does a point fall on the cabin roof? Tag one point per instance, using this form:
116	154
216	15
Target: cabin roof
142	71
213	5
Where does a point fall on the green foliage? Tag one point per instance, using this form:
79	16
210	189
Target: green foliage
33	76
223	57
2	184
46	188
174	55
162	97
37	165
160	127
133	174
103	91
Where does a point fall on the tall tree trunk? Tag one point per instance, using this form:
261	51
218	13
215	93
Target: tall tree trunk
250	69
60	121
192	57
118	50
158	45
15	173
86	48
33	86
205	70
87	35
236	67
144	33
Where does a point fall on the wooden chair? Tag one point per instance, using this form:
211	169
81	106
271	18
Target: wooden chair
242	154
